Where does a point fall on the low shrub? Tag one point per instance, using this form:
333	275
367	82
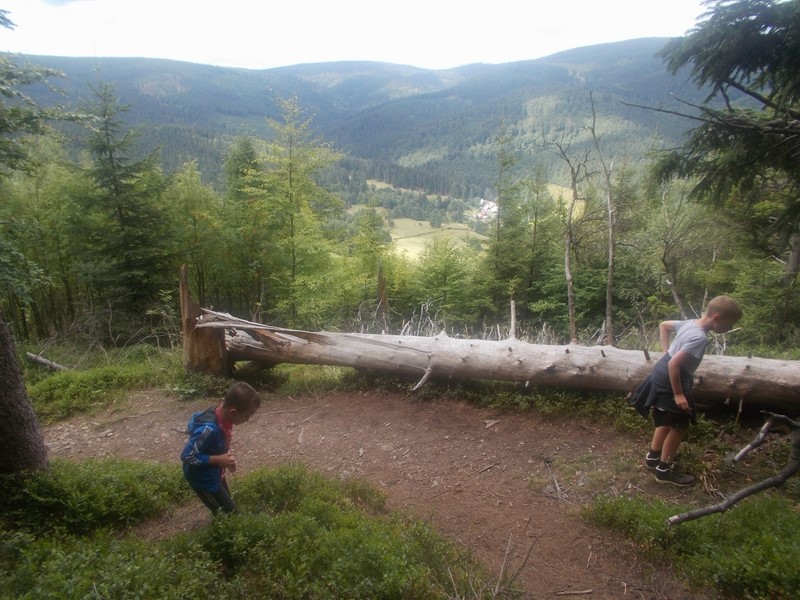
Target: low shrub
104	566
88	496
67	393
297	535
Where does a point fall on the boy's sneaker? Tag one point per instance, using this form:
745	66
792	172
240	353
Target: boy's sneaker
671	475
652	459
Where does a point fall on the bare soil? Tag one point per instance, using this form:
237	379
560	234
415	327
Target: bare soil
499	483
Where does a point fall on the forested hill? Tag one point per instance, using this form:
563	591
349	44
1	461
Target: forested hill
435	130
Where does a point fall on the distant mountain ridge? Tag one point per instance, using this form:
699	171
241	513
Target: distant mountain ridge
436	127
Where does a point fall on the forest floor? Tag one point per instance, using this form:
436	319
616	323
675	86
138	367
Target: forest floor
504	485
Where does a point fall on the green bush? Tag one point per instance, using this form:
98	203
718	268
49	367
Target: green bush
283	489
67	393
88	496
305	538
751	552
297	535
322	550
105	567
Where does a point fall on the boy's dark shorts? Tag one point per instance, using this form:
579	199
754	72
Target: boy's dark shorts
665	418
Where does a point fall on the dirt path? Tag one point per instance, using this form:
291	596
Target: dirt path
481	477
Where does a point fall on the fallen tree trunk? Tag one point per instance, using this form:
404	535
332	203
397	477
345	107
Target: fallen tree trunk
758	382
44	362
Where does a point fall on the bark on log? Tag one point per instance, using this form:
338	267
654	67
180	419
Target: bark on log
757	382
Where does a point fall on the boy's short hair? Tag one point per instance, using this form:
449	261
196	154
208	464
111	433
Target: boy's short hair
724	306
242	396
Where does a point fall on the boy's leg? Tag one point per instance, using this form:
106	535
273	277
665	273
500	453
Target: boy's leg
673	439
224	497
219	501
656	446
670	430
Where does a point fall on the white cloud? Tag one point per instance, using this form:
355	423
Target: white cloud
257	34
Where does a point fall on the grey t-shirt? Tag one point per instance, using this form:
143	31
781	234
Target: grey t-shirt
690	338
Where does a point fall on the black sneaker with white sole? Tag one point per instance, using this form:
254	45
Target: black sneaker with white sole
668	474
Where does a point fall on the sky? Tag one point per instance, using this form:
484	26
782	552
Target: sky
262	34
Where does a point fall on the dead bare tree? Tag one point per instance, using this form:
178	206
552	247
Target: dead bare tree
578	173
612	228
791	468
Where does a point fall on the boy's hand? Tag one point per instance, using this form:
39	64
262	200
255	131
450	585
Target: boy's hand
682	402
228	461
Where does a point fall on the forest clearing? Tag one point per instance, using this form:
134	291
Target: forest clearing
500	484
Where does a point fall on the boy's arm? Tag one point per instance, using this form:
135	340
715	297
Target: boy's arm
674	368
665	330
194	452
226	461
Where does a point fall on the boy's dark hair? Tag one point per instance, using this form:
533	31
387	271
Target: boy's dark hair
242	396
725	306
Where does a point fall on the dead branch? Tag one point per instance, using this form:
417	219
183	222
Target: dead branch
43	361
791	468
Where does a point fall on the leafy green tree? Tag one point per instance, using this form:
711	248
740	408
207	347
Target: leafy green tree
38	211
18	277
681	244
20	118
276	223
371	244
244	280
19	115
198	238
746	52
505	259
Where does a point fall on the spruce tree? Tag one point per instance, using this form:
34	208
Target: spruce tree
124	225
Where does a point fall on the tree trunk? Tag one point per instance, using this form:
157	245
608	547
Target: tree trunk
204	349
21	443
612	229
568	242
793	264
755	381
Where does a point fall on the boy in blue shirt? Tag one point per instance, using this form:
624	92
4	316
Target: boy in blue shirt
207	453
667	389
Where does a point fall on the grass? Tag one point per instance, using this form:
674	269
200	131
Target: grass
411	236
751	552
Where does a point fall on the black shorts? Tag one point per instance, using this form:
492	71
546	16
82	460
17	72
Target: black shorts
666	418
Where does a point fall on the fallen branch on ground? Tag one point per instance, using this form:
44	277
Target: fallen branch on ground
44	362
791	468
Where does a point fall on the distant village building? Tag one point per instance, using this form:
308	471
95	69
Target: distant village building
487	210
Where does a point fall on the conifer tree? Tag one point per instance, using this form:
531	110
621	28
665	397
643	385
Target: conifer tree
746	52
296	206
124	224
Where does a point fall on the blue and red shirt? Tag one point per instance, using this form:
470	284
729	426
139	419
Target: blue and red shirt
209	435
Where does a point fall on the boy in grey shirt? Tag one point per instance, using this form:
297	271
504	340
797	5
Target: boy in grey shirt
667	389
